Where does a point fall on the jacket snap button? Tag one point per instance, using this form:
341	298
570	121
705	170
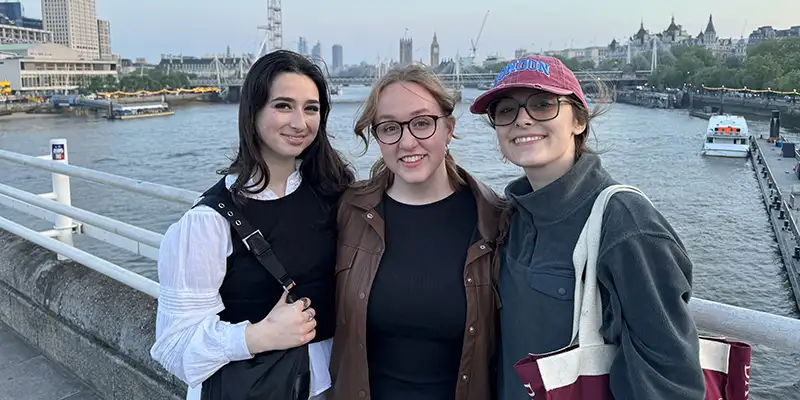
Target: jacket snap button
369	215
469	280
562	291
463	377
483	247
471	329
361	295
362	394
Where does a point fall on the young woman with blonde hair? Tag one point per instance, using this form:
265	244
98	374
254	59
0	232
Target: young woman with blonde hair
415	300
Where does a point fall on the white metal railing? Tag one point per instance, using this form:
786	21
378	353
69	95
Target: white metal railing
56	207
721	319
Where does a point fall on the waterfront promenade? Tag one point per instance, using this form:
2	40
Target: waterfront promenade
751	108
26	374
777	177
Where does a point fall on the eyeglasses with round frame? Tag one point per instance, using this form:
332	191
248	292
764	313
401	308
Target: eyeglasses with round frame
421	127
540	107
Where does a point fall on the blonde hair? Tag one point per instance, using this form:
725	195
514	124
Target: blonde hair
380	175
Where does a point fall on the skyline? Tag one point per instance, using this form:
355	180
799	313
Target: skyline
181	26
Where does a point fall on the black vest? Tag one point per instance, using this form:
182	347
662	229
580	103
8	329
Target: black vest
301	228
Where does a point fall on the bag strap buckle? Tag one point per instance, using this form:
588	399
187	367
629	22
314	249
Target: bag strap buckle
245	239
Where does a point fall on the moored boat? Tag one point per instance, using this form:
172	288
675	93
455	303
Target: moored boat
727	136
144	110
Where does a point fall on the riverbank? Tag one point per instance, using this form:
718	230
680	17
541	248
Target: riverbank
648	99
751	108
23	115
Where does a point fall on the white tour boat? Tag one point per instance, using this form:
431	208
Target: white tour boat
727	136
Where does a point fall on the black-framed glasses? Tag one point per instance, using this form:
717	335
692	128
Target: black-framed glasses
539	106
421	127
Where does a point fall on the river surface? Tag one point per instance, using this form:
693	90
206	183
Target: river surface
714	204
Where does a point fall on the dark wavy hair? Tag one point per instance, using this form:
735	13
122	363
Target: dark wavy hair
322	167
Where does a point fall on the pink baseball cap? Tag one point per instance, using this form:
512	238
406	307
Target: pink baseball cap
535	72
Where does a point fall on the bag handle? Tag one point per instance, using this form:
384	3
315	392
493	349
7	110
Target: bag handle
587	310
253	240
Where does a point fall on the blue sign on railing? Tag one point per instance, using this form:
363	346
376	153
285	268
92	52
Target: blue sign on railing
57	151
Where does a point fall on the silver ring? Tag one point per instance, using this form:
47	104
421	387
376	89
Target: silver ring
305	302
310	315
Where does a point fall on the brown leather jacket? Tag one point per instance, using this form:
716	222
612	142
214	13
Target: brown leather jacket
361	244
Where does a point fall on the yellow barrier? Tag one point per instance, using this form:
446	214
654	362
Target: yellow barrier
162	91
795	92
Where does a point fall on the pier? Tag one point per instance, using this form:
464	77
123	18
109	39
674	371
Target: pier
748	107
94	321
777	173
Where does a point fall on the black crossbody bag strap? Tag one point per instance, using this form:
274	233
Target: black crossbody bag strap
253	240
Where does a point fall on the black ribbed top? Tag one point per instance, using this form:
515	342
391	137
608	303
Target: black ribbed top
417	307
303	236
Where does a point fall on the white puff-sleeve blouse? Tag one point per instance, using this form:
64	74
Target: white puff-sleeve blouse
191	341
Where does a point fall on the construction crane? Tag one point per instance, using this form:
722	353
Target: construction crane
473	50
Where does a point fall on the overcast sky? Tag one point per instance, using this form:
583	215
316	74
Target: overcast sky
369	28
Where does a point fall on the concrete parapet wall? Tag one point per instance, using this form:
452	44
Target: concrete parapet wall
98	328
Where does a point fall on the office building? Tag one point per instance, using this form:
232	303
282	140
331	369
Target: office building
768	32
17	34
337	57
12	13
302	46
49	68
74	24
230	66
316	55
104	38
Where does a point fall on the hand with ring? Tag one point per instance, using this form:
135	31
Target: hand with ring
287	325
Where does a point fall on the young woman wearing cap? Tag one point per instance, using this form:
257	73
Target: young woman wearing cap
541	118
217	303
415	296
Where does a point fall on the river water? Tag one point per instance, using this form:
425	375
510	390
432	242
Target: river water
714	204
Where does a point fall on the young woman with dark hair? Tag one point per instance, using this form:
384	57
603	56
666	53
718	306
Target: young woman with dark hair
217	304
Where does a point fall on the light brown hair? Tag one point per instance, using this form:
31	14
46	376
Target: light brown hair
584	116
380	175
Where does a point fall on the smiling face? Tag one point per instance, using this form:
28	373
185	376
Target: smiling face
413	160
546	148
289	121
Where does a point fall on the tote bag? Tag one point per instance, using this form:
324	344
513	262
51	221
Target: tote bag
580	371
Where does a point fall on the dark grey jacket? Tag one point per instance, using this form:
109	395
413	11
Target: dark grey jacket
645	281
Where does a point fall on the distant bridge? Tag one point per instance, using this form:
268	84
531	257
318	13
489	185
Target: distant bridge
466	79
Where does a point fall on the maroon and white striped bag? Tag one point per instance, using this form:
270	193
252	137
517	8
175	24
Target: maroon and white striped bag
580	371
